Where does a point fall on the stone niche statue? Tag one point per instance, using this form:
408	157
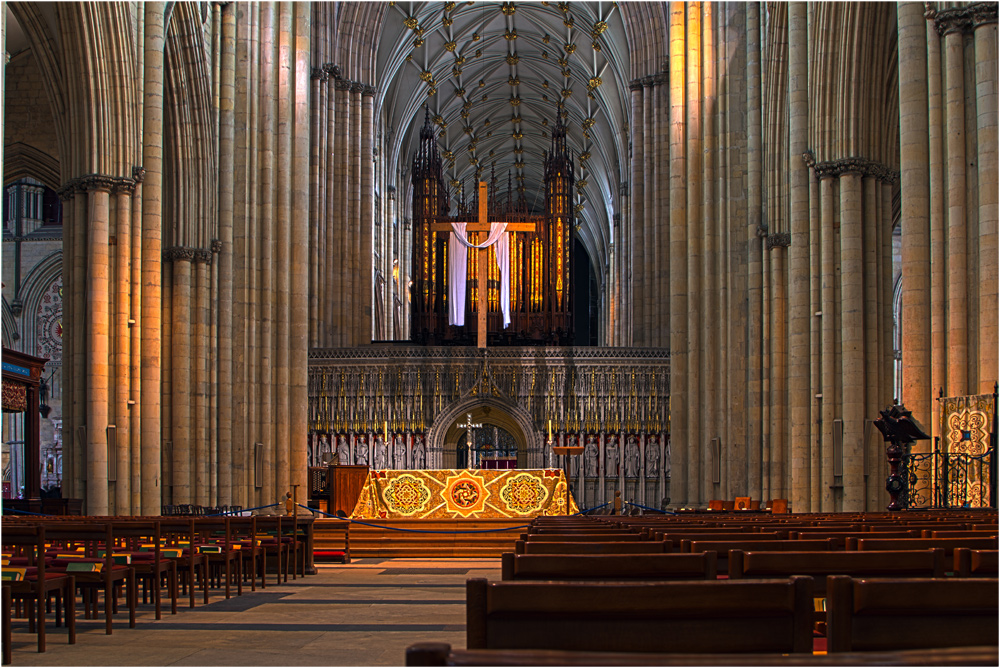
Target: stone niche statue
343	451
419	452
398	453
652	458
381	460
572	440
632	457
361	451
611	457
590	457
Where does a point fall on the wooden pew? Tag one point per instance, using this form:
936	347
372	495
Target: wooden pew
896	613
608	566
948	544
750	564
443	654
975	563
580	537
840	537
150	566
724	546
685	616
592	547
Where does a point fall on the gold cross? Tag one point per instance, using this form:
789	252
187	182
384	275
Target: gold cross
482	225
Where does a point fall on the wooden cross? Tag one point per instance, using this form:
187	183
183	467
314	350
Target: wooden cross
482	225
471	440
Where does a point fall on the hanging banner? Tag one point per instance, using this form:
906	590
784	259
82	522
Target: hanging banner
451	493
966	426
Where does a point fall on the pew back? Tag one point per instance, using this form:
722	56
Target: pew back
676	566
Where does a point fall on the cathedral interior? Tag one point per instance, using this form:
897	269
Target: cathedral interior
739	231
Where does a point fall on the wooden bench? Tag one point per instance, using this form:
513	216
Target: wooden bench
442	654
975	563
608	566
592	547
686	616
724	546
580	537
896	613
750	564
947	544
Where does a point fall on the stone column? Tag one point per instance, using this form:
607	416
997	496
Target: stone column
135	346
852	336
816	462
151	310
98	342
709	424
697	444
282	222
828	322
636	267
199	351
332	213
958	260
754	243
985	26
266	297
799	399
181	260
355	301
319	230
364	290
227	129
662	270
939	281
914	211
650	240
680	442
341	203
122	346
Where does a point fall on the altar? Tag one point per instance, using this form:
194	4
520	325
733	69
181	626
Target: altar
463	493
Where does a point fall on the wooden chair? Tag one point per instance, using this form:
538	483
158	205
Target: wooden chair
151	567
6	639
179	535
592	547
251	554
38	584
97	540
895	613
741	503
215	541
685	616
778	506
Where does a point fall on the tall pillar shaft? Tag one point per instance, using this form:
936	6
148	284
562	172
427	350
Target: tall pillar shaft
649	233
122	351
201	478
828	323
698	444
709	425
355	300
754	244
958	261
98	350
341	207
852	370
180	367
636	266
282	237
986	142
227	129
366	202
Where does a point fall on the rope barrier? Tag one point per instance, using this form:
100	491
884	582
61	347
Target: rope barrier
25	512
584	512
246	510
377	526
655	510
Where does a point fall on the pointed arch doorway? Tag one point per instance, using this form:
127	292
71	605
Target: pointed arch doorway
500	437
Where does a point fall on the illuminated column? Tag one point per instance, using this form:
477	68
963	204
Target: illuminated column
914	211
122	347
199	352
828	403
985	27
227	97
356	264
680	442
650	293
852	337
754	242
363	290
698	445
98	343
340	204
662	269
958	260
710	426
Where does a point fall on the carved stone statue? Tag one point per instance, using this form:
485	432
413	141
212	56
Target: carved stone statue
652	458
590	456
632	457
611	457
419	452
361	451
573	440
381	459
343	451
398	453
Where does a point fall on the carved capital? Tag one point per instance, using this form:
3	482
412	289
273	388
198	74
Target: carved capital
779	240
648	81
216	246
320	74
623	189
856	165
68	190
342	85
203	255
97	182
368	91
952	20
357	87
175	253
333	70
983	13
123	185
138	173
808	158
635	84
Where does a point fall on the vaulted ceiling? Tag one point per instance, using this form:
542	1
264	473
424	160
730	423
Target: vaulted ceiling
492	76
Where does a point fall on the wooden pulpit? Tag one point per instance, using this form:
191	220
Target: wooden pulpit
346	482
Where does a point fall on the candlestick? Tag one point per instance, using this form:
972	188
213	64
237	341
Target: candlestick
550	430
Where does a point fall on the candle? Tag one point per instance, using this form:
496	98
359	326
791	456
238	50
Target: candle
386	432
550	429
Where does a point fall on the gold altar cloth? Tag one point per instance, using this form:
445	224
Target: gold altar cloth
450	494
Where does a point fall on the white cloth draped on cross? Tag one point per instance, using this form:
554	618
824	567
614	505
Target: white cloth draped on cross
458	261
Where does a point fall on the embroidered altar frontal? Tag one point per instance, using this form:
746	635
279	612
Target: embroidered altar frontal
450	493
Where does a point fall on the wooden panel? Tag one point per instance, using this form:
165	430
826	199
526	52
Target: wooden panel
346	482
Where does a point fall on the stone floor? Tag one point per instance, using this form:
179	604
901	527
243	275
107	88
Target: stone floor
361	614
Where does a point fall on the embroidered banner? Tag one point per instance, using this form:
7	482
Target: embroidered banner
15	397
451	493
967	423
